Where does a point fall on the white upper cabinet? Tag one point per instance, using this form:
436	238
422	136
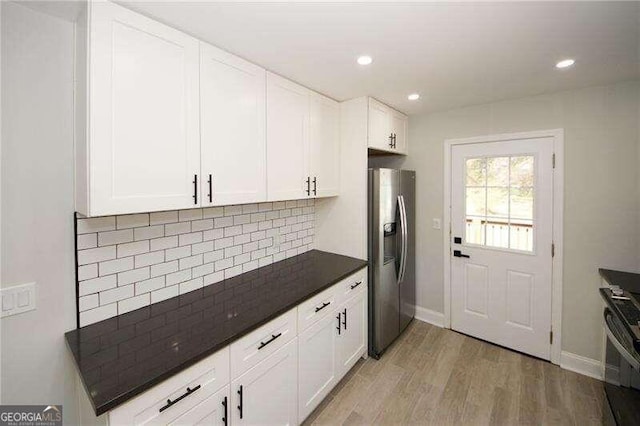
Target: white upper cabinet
387	128
324	157
287	139
143	137
233	138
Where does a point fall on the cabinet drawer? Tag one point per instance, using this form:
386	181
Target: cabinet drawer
353	284
259	344
203	379
318	307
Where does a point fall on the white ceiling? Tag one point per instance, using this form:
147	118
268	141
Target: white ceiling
453	54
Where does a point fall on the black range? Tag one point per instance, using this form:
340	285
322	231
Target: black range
121	357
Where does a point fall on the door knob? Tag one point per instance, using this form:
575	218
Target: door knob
458	253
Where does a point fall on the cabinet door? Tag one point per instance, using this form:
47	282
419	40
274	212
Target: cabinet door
324	136
287	139
233	139
379	126
317	364
352	341
399	129
268	393
214	410
144	143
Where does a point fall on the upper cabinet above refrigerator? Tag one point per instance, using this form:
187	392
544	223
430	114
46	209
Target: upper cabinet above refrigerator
387	129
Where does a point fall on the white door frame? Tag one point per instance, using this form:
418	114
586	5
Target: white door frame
558	204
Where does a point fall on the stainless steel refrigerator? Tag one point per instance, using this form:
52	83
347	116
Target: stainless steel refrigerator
392	284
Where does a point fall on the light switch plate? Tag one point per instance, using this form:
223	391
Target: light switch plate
436	223
18	299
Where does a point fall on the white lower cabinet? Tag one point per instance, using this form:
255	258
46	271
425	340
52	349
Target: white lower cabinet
267	394
275	375
352	342
317	367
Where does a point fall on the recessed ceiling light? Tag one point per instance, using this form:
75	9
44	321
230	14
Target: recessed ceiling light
565	63
365	60
413	97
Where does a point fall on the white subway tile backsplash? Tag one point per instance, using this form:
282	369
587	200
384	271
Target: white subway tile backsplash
148	232
114	266
86	241
131	249
160	218
116	294
129	277
129	261
164	294
163	243
96	255
149	258
132	220
177	228
86	272
96	224
164	268
133	303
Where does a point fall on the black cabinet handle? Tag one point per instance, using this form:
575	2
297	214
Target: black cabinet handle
273	337
339	327
224	404
195	189
458	253
394	141
308	186
180	398
315	192
324	305
344	320
210	189
240	406
391	140
356	285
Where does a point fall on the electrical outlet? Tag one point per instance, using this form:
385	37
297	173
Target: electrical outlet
436	223
18	299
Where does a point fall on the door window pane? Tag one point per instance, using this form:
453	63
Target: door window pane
499	201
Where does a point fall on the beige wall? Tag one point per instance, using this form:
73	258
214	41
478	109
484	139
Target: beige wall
602	191
37	206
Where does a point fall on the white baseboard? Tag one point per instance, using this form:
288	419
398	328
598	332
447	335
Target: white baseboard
580	364
432	317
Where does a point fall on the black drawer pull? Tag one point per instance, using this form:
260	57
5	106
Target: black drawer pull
240	406
356	285
344	320
180	398
339	327
324	305
224	404
273	337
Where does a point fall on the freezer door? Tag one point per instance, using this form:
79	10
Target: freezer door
385	257
407	191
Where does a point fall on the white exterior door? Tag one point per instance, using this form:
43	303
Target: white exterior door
324	146
317	364
144	115
287	139
233	152
267	394
501	242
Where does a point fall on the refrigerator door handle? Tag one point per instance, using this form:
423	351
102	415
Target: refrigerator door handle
406	237
403	231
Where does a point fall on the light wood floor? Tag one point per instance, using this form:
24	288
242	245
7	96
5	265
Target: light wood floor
440	377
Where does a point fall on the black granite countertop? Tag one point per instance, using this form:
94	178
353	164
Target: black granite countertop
123	356
628	281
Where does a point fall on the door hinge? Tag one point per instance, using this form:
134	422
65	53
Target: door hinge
553	250
553	161
551	337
